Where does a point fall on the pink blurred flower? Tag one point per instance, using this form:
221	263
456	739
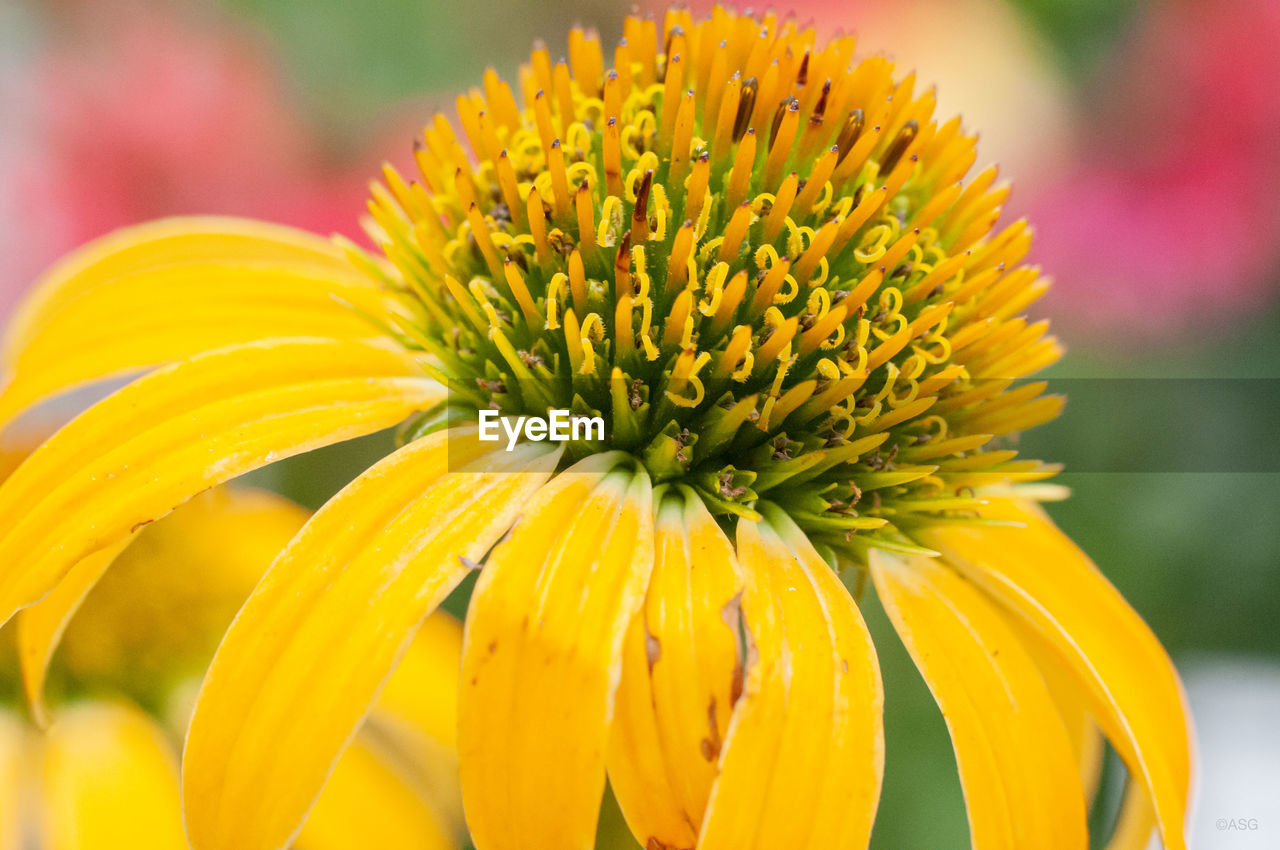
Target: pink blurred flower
1172	214
139	111
986	62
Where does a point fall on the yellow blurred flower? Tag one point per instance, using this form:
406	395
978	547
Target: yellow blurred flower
103	773
753	257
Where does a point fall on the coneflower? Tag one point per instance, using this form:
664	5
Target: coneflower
750	257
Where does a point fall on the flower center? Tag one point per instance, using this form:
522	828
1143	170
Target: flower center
750	255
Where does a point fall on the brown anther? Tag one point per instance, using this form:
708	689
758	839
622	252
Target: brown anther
727	489
802	76
789	104
746	105
682	442
640	214
849	134
560	242
905	137
821	108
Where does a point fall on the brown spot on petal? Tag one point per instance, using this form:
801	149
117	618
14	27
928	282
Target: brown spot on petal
655	843
711	744
652	648
731	613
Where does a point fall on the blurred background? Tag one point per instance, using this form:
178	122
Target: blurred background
1143	139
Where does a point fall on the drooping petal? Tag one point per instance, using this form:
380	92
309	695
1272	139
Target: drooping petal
1019	773
223	540
1135	694
1137	820
542	656
110	782
157	317
40	627
14	776
681	675
154	245
370	800
319	636
1087	741
136	455
804	756
169	289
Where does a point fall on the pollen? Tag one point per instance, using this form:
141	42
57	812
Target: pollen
761	260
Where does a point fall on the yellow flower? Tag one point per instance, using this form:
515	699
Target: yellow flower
752	257
103	771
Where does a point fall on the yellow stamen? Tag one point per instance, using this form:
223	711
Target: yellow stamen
743	165
817	180
515	280
781	207
768	289
677	263
681	313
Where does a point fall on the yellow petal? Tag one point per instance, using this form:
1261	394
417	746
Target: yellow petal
203	559
1087	741
10	458
680	677
1134	691
14	773
312	647
804	756
166	314
154	245
371	801
110	782
542	656
40	627
1019	774
133	457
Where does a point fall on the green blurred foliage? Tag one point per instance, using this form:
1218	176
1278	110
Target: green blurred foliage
1082	31
1195	553
353	59
921	804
